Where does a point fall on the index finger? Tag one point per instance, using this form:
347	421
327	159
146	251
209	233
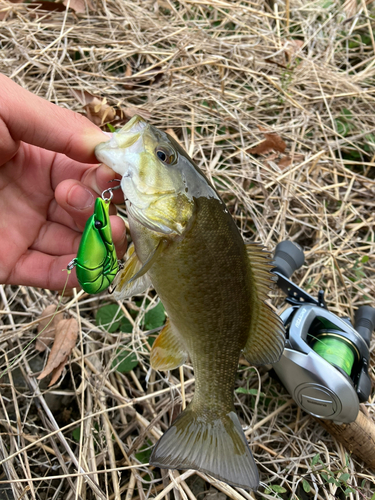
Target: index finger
29	118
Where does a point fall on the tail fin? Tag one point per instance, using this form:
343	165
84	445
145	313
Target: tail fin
217	447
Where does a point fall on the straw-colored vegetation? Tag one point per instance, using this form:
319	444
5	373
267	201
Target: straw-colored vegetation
221	74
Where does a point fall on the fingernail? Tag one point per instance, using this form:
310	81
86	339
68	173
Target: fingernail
80	198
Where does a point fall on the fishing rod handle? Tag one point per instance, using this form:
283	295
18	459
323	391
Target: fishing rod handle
364	322
288	257
358	437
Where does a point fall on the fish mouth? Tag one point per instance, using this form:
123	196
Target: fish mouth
122	146
135	124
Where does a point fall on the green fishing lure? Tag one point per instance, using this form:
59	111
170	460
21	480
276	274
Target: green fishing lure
96	262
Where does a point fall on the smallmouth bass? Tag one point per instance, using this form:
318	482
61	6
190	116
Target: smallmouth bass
213	287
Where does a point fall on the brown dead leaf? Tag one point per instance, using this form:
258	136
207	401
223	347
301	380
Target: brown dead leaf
292	47
56	373
284	162
49	6
97	110
46	334
288	160
79	6
130	111
65	340
272	142
33	5
82	96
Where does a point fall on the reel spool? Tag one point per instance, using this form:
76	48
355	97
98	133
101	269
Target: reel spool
337	351
325	361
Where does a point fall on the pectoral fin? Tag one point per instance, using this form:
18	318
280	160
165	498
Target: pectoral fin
133	279
151	259
168	351
125	283
266	339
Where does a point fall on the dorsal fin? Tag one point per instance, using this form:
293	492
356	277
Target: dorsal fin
266	339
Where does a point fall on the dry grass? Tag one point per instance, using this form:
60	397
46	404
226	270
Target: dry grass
215	71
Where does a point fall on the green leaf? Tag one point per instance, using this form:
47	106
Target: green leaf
278	489
125	360
155	317
111	128
342	127
315	459
334	481
109	317
373	497
253	392
144	453
366	39
348	491
363	483
365	259
347	113
306	486
324	476
344	477
76	434
125	325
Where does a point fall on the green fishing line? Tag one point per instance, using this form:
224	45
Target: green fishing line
336	352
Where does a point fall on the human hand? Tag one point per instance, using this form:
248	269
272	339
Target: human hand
48	187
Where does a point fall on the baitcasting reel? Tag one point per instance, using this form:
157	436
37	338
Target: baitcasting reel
324	365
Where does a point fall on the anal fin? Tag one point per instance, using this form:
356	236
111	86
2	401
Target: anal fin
266	338
168	351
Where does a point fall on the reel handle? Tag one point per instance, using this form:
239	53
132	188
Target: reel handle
364	322
288	257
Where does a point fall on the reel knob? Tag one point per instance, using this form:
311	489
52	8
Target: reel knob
288	258
364	322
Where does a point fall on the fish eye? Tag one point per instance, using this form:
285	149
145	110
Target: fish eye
165	155
98	224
